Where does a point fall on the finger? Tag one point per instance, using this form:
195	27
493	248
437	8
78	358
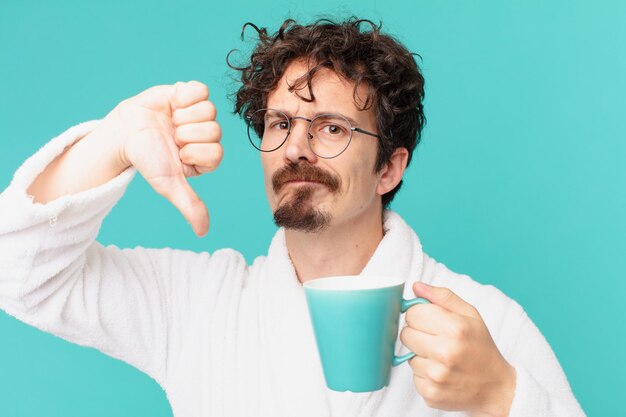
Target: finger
185	94
204	156
430	369
433	393
418	342
178	191
198	132
445	298
202	111
431	319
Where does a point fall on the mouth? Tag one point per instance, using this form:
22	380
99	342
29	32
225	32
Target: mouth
304	175
302	182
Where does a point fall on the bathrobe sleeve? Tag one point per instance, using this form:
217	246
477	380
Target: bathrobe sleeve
542	388
127	303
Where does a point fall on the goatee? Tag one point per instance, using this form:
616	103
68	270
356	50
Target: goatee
299	213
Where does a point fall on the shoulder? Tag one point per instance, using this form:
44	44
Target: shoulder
438	274
502	314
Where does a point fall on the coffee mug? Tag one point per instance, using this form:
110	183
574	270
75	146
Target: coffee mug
355	321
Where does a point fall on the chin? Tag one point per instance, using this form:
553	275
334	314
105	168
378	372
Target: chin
299	212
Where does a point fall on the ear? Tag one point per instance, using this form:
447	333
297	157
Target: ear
391	174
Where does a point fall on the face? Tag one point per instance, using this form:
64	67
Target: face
309	193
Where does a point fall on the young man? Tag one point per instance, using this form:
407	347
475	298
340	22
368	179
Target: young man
336	113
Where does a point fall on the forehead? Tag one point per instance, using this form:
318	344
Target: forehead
331	91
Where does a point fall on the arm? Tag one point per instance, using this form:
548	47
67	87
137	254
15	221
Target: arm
97	154
167	132
54	276
497	366
542	388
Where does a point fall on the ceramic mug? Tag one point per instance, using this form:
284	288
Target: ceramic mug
355	321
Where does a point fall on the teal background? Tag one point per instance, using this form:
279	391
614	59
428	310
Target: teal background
519	181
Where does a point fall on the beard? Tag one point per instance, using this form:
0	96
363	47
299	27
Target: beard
299	213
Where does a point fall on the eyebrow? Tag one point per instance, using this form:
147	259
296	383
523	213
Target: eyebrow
351	120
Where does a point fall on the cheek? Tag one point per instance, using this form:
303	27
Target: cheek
363	172
360	183
267	175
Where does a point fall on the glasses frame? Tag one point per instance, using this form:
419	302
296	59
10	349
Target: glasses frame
308	131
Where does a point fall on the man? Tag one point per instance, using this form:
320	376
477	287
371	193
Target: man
336	113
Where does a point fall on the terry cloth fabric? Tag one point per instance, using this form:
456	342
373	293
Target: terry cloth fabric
223	338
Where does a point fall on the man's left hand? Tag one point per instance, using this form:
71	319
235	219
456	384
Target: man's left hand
457	366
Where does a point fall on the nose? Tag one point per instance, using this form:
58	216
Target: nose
297	146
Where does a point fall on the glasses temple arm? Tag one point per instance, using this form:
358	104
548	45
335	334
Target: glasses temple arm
356	129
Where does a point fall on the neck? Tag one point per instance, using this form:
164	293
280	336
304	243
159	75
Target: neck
339	250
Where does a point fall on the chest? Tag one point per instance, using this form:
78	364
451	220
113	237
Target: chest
250	353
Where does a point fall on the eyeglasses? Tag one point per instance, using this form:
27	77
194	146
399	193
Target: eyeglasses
328	134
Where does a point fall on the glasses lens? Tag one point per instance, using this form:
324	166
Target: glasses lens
267	129
330	135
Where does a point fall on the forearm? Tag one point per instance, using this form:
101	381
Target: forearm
92	161
39	240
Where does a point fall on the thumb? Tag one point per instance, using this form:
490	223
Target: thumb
445	298
178	191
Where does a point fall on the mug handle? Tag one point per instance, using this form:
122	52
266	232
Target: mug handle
404	306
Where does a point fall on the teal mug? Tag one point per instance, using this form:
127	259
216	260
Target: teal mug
355	321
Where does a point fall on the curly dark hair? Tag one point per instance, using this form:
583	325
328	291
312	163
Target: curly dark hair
394	82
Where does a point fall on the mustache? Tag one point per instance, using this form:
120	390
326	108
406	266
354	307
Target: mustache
304	172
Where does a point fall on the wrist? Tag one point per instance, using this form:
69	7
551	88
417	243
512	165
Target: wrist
109	145
498	402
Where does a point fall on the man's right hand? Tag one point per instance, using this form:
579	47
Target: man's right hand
169	133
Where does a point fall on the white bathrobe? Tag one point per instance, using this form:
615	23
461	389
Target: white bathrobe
223	338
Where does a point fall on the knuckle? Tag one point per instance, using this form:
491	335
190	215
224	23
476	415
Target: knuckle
215	130
178	85
439	374
210	109
449	356
218	154
175	95
212	161
201	87
124	105
431	394
459	330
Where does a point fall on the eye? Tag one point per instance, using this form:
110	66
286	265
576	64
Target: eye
333	129
280	124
